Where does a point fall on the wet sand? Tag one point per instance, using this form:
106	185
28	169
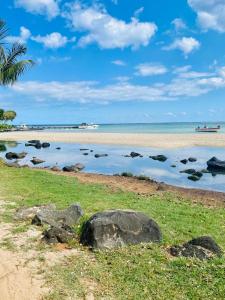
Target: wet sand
126	139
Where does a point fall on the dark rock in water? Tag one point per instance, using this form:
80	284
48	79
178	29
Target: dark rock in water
202	248
3	148
127	155
58	235
91	150
58	148
55	169
85	153
84	149
161	158
184	161
173	166
74	168
198	174
13	155
100	155
70	169
193	178
116	228
38	146
192	159
188	171
45	145
34	142
216	165
204	171
37	161
57	218
79	166
134	154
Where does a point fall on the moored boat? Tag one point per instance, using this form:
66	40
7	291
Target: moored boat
88	126
208	129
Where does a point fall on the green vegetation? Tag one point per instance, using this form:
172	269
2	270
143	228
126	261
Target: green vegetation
10	68
135	272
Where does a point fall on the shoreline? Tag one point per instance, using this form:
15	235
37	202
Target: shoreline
147	187
162	140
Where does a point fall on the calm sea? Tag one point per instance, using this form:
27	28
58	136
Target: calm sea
145	127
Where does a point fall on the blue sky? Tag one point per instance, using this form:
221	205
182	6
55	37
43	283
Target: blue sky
115	61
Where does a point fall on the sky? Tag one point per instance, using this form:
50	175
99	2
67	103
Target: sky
118	61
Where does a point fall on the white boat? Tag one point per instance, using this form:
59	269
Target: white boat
23	127
88	126
208	129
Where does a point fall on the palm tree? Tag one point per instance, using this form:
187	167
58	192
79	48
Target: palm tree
10	67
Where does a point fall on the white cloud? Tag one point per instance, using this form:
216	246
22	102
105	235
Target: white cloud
53	40
49	8
179	24
149	69
138	12
210	13
106	31
121	91
119	62
25	34
185	44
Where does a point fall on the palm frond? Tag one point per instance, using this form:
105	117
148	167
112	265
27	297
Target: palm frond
16	51
10	74
3	30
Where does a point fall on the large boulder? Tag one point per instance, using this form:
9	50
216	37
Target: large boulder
116	228
59	218
203	247
14	155
216	165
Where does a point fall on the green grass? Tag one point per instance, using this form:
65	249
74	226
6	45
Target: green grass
135	272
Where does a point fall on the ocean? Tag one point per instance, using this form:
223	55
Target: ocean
142	127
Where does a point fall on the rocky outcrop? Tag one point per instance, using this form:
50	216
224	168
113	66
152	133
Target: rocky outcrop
216	165
116	228
59	218
58	235
45	145
161	158
14	155
202	248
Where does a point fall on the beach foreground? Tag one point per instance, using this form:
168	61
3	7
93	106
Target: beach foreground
129	139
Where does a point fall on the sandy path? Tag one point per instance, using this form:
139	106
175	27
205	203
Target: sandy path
144	140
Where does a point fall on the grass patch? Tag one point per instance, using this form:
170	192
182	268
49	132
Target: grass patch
136	272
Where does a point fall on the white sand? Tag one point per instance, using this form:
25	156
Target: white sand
131	139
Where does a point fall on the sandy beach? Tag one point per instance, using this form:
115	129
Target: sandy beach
129	139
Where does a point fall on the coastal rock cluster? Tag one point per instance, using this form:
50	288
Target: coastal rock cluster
110	229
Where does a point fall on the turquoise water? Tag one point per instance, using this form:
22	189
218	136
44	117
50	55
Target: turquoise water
147	127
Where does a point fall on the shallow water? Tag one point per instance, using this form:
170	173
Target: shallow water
116	162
